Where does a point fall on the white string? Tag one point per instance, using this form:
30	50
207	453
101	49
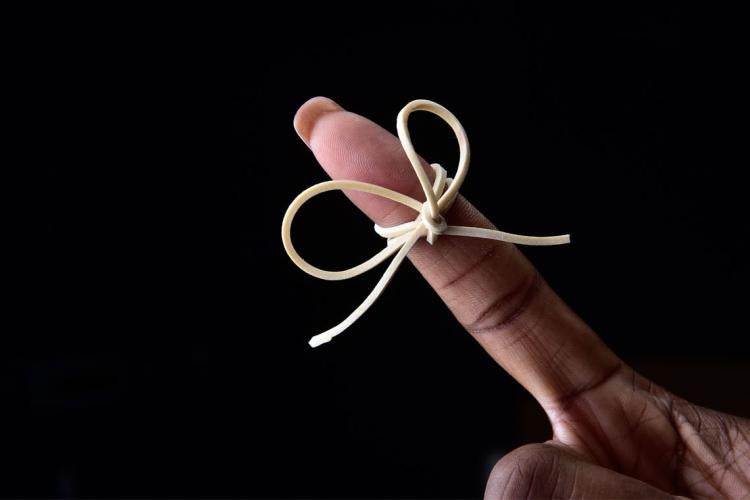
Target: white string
429	224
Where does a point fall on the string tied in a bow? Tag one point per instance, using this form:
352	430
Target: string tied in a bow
429	224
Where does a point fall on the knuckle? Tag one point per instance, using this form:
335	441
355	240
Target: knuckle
504	310
527	472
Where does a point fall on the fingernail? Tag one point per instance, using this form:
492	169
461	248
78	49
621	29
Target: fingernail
309	113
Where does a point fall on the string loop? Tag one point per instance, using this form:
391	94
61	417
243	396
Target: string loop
429	223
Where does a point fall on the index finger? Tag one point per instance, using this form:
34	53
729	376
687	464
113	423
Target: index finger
490	287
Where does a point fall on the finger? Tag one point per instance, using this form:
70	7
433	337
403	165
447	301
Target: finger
549	471
490	287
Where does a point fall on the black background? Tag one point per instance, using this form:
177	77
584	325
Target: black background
157	335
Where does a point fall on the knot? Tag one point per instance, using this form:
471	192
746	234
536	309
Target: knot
435	225
431	226
428	224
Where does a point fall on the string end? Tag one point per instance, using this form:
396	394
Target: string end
319	339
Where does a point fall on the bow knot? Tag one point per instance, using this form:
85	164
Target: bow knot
429	223
428	226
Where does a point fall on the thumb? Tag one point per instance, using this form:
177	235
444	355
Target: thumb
550	471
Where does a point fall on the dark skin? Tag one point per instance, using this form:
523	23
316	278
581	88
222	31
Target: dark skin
615	433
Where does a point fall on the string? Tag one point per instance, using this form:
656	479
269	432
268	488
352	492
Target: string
429	224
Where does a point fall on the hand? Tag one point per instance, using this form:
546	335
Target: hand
615	433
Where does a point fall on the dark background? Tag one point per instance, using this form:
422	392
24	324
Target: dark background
156	341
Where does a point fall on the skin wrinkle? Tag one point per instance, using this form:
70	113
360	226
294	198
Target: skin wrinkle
647	400
453	254
726	432
531	463
501	317
707	477
608	446
563	403
643	417
727	468
639	424
745	437
661	401
724	436
730	457
521	334
712	463
701	451
576	469
515	470
478	263
633	430
577	408
561	348
554	474
531	482
428	257
621	414
680	449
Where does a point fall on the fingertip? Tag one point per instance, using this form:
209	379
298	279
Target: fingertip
349	146
310	112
